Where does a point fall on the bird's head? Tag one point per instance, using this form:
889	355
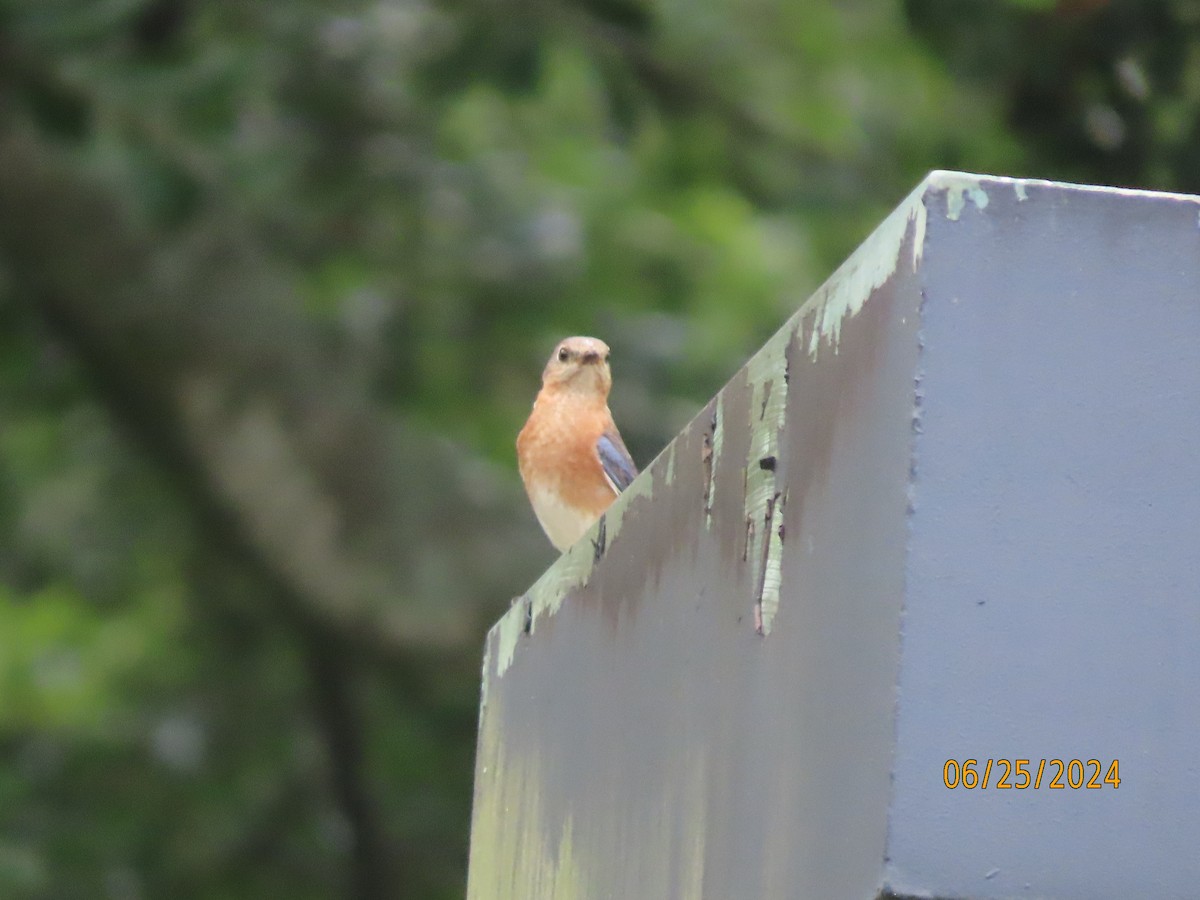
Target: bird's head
579	363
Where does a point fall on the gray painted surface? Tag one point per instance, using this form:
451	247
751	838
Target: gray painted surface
1053	582
1018	575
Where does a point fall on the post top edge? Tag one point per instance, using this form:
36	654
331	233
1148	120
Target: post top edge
945	179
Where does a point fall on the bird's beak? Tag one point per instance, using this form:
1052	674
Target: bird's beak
591	357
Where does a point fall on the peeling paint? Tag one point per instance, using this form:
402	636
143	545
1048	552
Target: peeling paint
767	376
716	441
964	181
643	486
940	179
505	633
873	263
876	259
959	189
573	569
486	678
544	597
770	579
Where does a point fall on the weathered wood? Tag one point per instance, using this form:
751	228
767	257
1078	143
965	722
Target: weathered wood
950	511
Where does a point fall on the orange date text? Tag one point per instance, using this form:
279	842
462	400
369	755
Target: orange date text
1035	774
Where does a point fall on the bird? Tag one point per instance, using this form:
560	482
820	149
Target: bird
570	454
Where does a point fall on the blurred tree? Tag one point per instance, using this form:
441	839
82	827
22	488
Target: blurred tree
1097	90
276	284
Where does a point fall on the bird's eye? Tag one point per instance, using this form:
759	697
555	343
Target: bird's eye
564	354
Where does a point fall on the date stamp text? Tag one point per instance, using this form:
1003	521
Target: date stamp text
1024	774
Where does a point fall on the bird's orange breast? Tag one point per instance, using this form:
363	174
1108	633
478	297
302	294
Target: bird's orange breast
556	452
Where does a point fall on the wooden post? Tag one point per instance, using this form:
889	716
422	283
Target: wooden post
950	512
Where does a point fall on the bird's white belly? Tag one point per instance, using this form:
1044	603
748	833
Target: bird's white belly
563	524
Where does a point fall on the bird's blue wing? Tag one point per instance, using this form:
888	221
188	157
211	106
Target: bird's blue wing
617	463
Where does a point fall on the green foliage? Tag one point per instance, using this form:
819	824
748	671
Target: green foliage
276	284
1105	91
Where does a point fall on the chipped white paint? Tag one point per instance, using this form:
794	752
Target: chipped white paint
959	189
714	459
941	180
767	376
486	678
504	636
574	568
878	257
643	486
544	598
873	263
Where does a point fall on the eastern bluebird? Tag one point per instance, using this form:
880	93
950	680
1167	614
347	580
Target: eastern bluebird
572	458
